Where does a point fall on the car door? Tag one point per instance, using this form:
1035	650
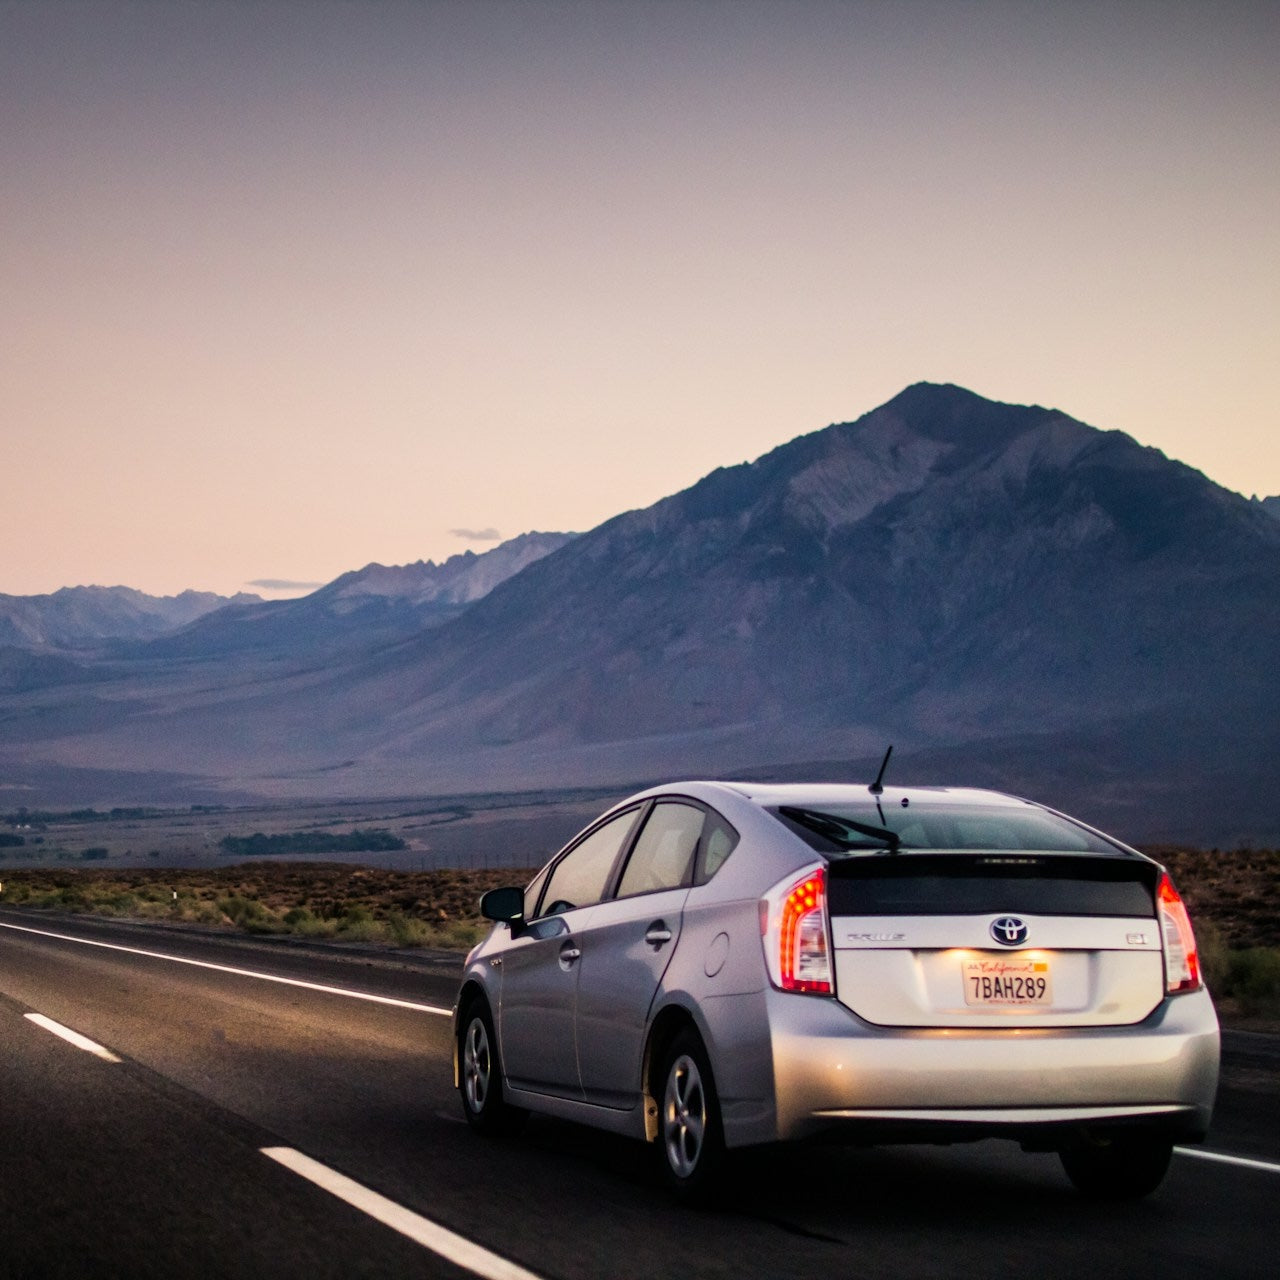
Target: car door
540	965
626	946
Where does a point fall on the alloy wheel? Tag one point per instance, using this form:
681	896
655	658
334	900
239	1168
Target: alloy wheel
477	1065
684	1116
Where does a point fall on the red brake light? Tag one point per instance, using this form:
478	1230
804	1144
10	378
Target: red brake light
793	920
1181	958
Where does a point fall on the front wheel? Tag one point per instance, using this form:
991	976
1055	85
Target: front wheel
690	1134
1123	1167
480	1075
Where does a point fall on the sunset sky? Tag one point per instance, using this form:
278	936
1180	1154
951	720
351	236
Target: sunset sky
286	288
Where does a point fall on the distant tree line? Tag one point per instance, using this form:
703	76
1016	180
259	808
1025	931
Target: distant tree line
41	817
257	845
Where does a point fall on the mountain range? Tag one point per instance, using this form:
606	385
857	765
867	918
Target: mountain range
79	616
368	606
1012	597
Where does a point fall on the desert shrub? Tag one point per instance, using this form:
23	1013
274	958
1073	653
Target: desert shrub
406	931
309	925
464	934
248	914
200	912
364	929
1254	979
1215	956
118	904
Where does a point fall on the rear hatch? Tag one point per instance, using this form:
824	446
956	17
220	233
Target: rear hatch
991	939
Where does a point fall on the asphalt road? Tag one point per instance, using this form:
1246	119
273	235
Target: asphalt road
153	1164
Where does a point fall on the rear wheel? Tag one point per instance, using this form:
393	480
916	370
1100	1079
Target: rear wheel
480	1075
690	1136
1121	1167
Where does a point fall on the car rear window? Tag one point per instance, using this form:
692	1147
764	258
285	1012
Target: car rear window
989	827
964	884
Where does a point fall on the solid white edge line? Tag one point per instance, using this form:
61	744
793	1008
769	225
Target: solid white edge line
1242	1162
245	973
71	1037
440	1240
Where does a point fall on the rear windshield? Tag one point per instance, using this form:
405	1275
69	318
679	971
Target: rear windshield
975	884
843	829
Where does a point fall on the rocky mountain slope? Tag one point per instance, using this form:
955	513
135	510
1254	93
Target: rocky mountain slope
1011	596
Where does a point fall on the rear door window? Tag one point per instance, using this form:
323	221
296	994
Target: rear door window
664	852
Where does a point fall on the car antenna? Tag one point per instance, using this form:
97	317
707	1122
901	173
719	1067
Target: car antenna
877	787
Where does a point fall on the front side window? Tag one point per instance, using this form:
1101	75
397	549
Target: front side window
663	856
534	892
579	878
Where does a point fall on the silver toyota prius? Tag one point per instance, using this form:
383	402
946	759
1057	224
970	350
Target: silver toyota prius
712	965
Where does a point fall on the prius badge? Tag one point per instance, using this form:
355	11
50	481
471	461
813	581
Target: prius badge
1009	931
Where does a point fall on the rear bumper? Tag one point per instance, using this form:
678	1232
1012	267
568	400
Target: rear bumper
834	1073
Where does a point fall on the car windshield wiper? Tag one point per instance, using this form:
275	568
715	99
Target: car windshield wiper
841	830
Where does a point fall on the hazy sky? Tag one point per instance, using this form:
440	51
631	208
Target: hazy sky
289	287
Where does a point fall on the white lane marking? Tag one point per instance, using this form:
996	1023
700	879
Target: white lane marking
1242	1161
71	1037
244	973
440	1240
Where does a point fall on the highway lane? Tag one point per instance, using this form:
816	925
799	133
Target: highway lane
102	1175
217	1065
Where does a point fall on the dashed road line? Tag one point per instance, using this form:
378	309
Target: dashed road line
71	1037
244	973
1220	1157
431	1235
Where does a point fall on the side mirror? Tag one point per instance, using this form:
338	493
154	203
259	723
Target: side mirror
506	904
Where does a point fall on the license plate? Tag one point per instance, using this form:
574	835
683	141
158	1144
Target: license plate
1006	981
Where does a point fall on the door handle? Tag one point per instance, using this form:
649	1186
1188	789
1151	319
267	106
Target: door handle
657	933
569	954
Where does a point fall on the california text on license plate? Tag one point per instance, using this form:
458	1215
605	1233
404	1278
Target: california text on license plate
1006	980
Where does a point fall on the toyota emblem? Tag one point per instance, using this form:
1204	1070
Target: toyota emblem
1009	931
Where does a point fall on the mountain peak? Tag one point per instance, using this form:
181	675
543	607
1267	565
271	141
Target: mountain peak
458	580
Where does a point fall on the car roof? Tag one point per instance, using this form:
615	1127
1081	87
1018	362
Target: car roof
818	794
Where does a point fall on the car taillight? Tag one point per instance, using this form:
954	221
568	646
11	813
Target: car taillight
793	922
1181	959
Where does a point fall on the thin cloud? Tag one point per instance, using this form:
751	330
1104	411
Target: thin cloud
282	584
477	535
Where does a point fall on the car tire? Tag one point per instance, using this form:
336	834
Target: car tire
690	1135
1123	1167
484	1101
